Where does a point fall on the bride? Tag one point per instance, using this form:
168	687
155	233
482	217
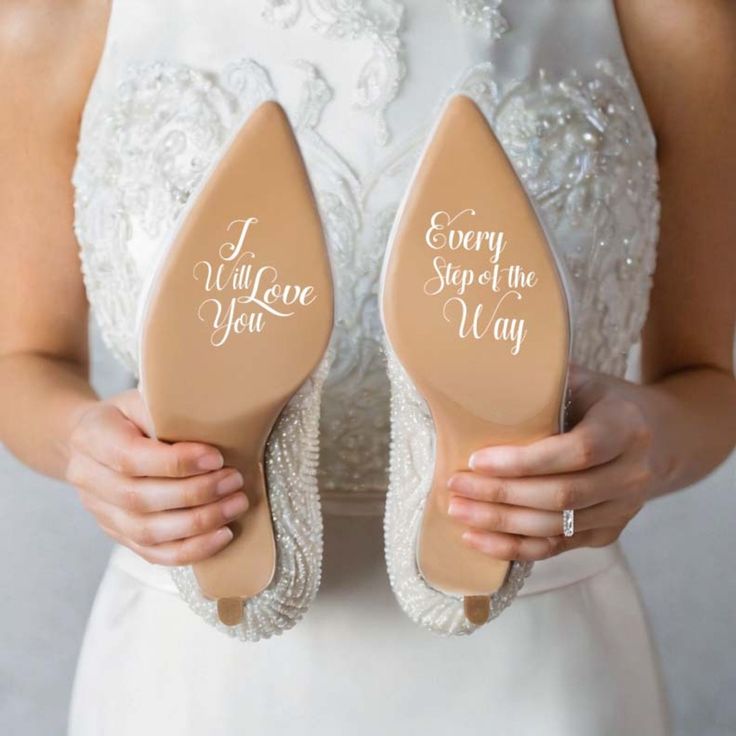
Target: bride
618	116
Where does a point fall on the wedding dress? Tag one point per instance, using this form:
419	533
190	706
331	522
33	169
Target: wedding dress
362	82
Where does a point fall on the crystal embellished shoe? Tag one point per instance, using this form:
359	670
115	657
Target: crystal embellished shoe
476	315
234	332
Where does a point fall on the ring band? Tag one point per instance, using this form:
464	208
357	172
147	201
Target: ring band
568	522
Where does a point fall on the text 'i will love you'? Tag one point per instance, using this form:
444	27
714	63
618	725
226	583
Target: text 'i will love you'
243	295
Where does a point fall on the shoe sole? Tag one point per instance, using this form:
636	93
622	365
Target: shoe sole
220	359
490	365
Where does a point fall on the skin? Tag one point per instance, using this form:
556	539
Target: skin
633	442
171	503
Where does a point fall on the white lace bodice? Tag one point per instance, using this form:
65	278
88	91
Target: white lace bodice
362	81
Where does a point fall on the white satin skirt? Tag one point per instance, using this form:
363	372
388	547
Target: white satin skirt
571	656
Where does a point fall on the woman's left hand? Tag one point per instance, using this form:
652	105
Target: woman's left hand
604	468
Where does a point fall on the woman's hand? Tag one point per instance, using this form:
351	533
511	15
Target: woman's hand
605	468
168	503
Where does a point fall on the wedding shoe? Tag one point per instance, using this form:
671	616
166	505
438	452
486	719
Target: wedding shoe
234	333
476	316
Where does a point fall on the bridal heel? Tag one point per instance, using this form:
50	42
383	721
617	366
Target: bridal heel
239	315
475	310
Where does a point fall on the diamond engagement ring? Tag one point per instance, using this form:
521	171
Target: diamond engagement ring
568	522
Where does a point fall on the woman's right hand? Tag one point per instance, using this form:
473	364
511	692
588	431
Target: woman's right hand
170	503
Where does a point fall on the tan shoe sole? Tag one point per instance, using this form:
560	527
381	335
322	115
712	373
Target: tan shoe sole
475	309
239	315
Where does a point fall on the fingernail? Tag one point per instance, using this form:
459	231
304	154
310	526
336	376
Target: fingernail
224	535
235	506
458	483
455	508
472	539
229	483
210	461
485	459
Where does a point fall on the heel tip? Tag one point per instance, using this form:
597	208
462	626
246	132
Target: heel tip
477	608
230	610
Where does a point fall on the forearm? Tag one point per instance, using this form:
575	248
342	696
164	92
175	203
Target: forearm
693	413
42	397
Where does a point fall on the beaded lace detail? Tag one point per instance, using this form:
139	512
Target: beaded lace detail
587	156
138	162
483	13
380	22
588	162
580	143
587	159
